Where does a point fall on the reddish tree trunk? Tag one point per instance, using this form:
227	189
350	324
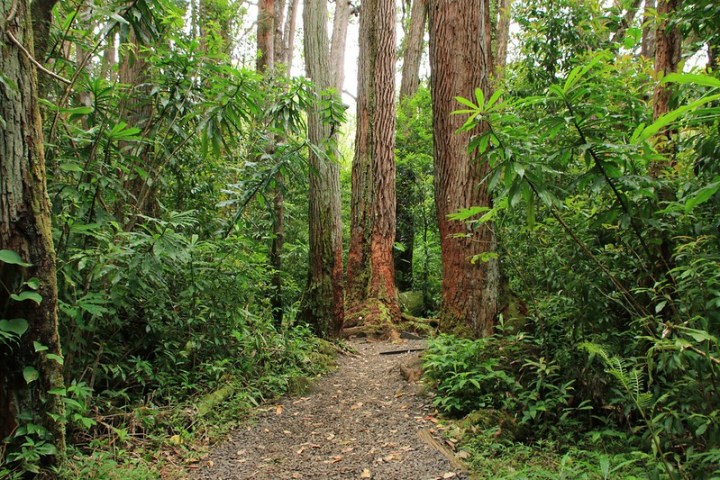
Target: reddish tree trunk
371	293
668	46
25	229
460	61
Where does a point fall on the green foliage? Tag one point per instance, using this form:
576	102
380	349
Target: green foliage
618	250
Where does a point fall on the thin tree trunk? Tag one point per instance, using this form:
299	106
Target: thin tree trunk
138	109
25	229
109	58
266	36
667	58
503	35
406	181
323	304
371	293
337	48
42	17
460	61
413	49
647	48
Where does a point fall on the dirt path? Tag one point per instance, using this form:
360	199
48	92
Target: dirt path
362	421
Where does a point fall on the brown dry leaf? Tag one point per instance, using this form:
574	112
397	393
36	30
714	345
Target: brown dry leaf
463	455
449	475
330	437
287	432
279	410
347	449
296	475
366	473
210	464
299	452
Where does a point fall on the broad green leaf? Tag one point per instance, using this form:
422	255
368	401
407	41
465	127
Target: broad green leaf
52	356
18	326
467	103
33	283
39	347
30	374
22	296
673	115
702	196
10	257
694	78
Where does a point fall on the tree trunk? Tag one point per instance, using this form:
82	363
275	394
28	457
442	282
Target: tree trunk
337	48
266	36
137	107
413	49
25	229
42	17
323	305
503	34
667	58
647	48
405	185
266	65
371	293
109	59
460	61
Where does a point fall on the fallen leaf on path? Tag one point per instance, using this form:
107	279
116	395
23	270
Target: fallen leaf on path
450	475
279	410
347	449
462	454
366	473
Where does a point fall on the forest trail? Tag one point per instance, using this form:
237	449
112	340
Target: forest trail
362	421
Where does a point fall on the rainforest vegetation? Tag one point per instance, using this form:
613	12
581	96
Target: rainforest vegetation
200	201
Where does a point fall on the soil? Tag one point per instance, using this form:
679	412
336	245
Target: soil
362	421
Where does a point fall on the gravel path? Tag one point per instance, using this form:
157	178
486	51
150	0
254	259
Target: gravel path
361	421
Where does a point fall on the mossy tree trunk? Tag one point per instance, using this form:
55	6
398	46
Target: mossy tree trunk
460	61
371	294
25	229
323	303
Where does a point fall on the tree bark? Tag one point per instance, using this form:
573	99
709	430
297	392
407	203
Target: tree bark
460	61
647	48
266	36
503	34
338	41
371	293
25	229
323	304
413	49
668	48
137	107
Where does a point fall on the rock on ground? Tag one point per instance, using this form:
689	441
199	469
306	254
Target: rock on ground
361	421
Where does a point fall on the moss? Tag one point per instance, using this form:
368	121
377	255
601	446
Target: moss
412	302
488	418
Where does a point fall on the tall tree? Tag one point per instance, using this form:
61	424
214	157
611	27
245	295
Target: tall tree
502	35
668	49
406	181
647	47
371	294
266	36
460	61
413	49
26	377
323	303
